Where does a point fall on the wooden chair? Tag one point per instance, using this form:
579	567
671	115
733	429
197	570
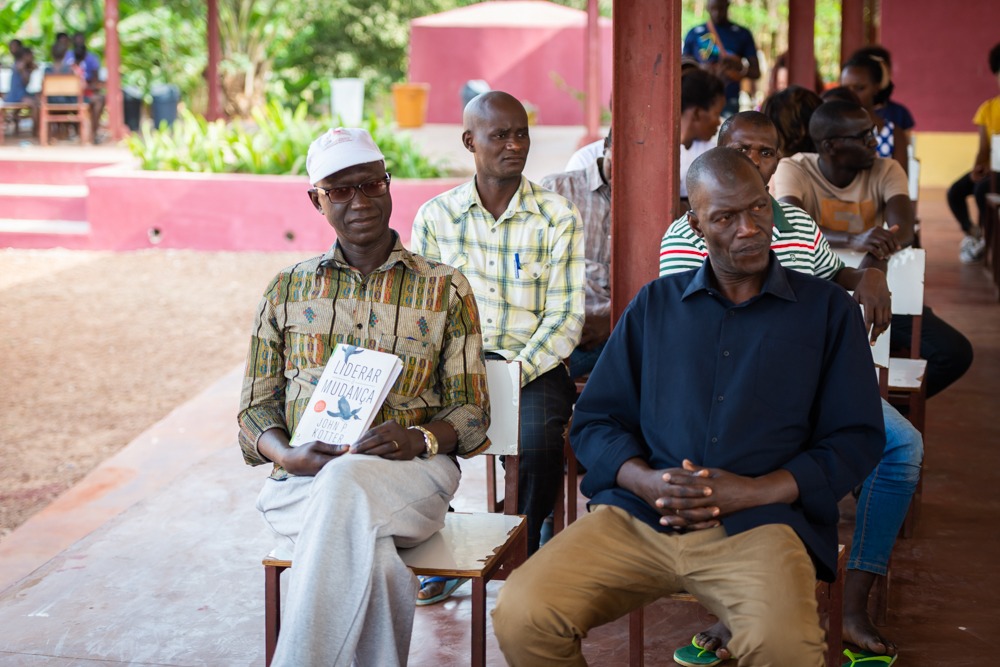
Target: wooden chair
63	85
831	604
13	112
476	546
913	174
881	358
565	510
907	376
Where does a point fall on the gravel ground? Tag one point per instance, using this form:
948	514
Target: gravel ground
97	346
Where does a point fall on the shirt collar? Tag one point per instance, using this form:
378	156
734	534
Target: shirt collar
334	257
595	179
780	221
775	283
522	201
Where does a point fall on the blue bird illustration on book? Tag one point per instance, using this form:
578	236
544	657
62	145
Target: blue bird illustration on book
344	410
350	351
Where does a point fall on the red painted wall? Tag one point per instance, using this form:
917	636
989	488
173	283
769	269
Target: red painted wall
939	58
518	60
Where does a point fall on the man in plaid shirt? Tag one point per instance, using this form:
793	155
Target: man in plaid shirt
521	247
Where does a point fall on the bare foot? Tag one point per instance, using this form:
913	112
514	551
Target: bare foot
715	639
860	631
858	627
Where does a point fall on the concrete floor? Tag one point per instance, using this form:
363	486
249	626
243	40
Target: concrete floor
154	559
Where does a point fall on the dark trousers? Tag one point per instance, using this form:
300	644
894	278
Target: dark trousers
546	406
961	190
947	351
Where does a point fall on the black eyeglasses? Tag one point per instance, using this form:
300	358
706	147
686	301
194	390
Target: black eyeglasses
344	194
864	137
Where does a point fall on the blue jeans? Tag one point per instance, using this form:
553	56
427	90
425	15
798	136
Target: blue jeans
885	495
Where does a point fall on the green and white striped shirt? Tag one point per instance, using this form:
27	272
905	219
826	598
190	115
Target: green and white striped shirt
526	269
795	239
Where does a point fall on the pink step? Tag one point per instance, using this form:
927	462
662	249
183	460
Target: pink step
34	207
37	234
46	172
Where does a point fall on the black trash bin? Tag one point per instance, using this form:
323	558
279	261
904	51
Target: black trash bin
165	99
471	89
133	107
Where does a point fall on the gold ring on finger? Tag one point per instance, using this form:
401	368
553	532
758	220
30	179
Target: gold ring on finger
396	445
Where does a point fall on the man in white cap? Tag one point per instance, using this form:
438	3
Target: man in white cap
342	509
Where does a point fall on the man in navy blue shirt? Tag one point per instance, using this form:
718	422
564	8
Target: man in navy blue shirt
733	406
726	49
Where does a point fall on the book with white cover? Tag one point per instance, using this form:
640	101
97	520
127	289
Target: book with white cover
349	393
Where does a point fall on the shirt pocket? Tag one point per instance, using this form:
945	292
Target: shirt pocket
456	260
307	334
419	362
529	284
787	375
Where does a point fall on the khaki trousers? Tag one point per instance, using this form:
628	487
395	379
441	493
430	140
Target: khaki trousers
761	583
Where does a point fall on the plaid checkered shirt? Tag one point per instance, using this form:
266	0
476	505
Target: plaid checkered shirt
421	311
586	188
526	268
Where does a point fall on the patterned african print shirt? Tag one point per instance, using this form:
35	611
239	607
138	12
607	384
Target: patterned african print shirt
423	312
527	269
795	239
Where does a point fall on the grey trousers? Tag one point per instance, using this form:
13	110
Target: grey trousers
351	599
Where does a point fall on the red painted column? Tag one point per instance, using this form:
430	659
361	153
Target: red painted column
113	59
646	122
852	27
873	28
801	43
214	56
592	75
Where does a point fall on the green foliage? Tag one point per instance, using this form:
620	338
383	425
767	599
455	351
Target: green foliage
403	158
162	44
350	38
275	142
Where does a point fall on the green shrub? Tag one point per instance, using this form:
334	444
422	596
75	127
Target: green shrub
275	142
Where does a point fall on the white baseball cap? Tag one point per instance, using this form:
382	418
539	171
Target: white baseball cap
340	148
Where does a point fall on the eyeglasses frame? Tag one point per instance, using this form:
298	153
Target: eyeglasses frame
387	179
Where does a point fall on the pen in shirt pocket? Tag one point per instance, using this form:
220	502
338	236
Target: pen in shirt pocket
517	265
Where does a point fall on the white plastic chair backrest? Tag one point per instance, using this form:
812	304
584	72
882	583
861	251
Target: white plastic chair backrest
995	152
5	75
35	81
503	378
913	173
905	276
880	350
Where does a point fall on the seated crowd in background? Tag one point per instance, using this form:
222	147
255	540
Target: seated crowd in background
68	56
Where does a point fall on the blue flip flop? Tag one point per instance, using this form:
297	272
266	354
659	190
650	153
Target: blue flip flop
867	658
693	655
450	585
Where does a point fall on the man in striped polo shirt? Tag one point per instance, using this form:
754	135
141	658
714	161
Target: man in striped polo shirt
796	239
885	495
